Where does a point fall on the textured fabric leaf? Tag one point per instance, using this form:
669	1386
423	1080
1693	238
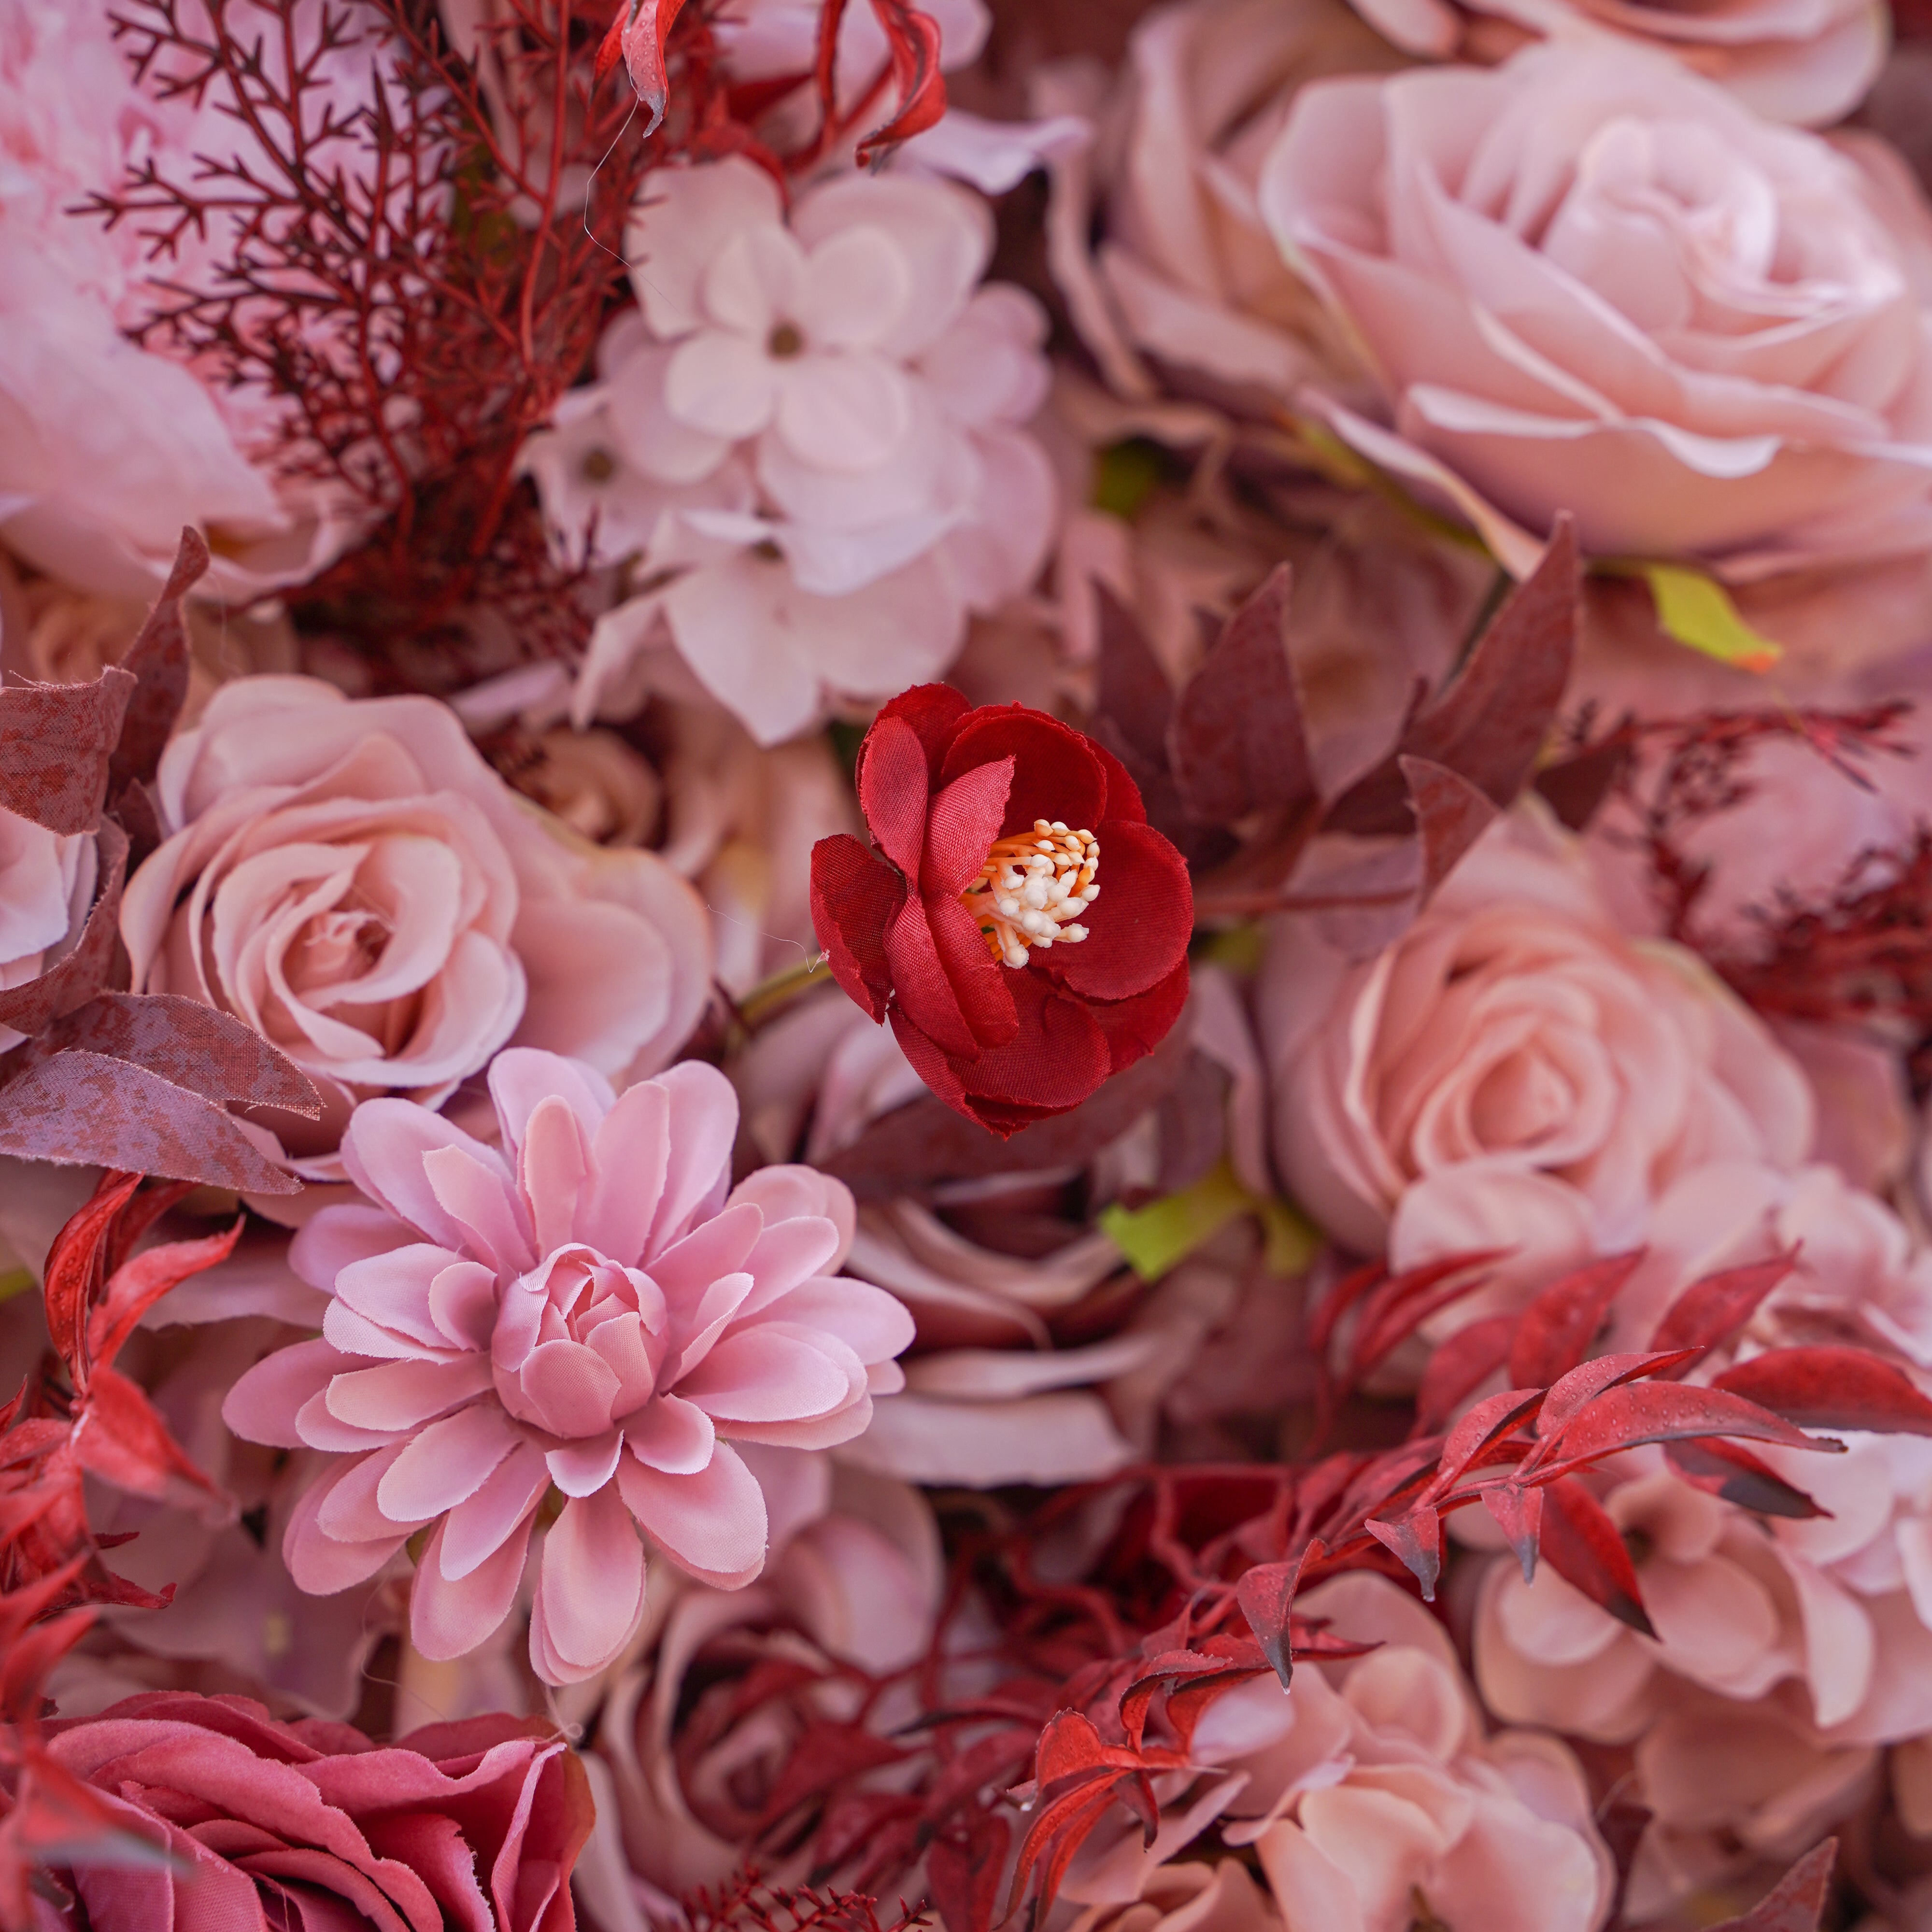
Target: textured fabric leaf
158	660
55	742
1796	1903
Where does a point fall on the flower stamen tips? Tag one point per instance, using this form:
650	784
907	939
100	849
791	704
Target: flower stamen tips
1033	889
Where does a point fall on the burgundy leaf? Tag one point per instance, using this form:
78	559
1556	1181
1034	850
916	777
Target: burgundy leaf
158	660
1416	1537
1489	1421
1832	1388
1557	1328
1132	694
1711	1310
208	1052
74	980
913	39
1658	1411
56	741
1461	1365
1580	1542
1575	788
84	1109
74	1268
1518	1515
1724	1469
1796	1903
963	1871
1235	741
1266	1594
1585	1383
1450	815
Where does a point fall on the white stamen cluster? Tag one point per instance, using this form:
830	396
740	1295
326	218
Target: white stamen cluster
1033	889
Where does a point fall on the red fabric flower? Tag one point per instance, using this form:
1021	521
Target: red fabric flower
1007	1016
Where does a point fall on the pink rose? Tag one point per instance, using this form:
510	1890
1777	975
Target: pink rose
258	1825
577	1327
1810	65
350	878
46	885
1513	1072
1591	282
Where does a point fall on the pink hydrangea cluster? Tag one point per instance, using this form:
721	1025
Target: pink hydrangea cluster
568	1334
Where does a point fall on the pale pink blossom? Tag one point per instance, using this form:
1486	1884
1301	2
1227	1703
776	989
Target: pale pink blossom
353	880
587	1314
1513	1072
811	432
1810	64
46	885
1590	281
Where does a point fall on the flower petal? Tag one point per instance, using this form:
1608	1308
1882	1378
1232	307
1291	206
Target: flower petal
590	1590
450	1616
629	1158
446	1463
477	1527
1138	930
1055	774
853	898
581	1468
671	1434
712	1523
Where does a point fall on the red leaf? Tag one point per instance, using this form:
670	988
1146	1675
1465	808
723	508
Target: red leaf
914	39
637	36
75	978
963	1871
118	1437
1069	1743
73	1269
55	740
1832	1388
1581	1544
1711	1310
86	1110
1489	1421
1557	1327
826	1754
137	1285
1416	1537
1266	1594
158	660
1235	742
1450	815
1723	1469
1518	1515
1068	1817
1463	1362
1796	1903
1660	1412
1583	1384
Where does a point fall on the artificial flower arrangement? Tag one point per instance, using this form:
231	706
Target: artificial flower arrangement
965	965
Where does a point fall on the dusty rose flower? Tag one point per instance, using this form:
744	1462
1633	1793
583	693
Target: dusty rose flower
351	879
46	885
1810	64
265	1824
1550	267
587	1309
1513	1072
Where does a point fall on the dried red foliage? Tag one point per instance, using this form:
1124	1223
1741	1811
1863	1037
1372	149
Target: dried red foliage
1091	1688
746	1903
947	789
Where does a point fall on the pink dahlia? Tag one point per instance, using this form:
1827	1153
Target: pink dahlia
562	1332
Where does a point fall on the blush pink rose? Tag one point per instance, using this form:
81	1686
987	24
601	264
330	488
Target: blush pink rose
1590	281
46	885
574	1330
1513	1072
351	878
257	1825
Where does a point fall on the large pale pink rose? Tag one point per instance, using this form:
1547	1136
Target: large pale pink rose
1513	1072
1590	281
353	880
575	1330
1810	64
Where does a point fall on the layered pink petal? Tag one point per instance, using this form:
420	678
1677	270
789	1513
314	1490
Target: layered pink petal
711	1523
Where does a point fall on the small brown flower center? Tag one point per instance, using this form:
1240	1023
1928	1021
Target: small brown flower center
1033	889
598	465
786	340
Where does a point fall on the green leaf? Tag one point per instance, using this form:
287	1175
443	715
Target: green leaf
1695	609
1158	1236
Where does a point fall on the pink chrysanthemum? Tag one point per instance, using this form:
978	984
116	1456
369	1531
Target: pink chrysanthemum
585	1311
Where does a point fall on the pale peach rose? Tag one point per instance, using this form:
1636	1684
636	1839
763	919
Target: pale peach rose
1811	64
1513	1072
351	878
1589	281
46	885
1185	274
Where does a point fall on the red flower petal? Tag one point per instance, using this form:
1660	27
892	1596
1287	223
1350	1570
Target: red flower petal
892	792
965	820
1123	796
934	712
1058	1056
920	984
979	982
852	898
938	1071
1135	1027
1139	925
1055	774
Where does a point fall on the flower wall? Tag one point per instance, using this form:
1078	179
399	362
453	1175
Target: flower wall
965	965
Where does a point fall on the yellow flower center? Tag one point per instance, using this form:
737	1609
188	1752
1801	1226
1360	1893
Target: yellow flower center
1033	889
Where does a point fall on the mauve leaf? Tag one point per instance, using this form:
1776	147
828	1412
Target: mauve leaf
1712	1310
1796	1903
208	1052
118	1437
1575	788
1450	815
1235	741
1459	1366
913	40
1638	1412
1579	1541
1832	1388
158	660
1132	694
73	980
1556	1330
1724	1469
1266	1594
1416	1537
56	741
84	1109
